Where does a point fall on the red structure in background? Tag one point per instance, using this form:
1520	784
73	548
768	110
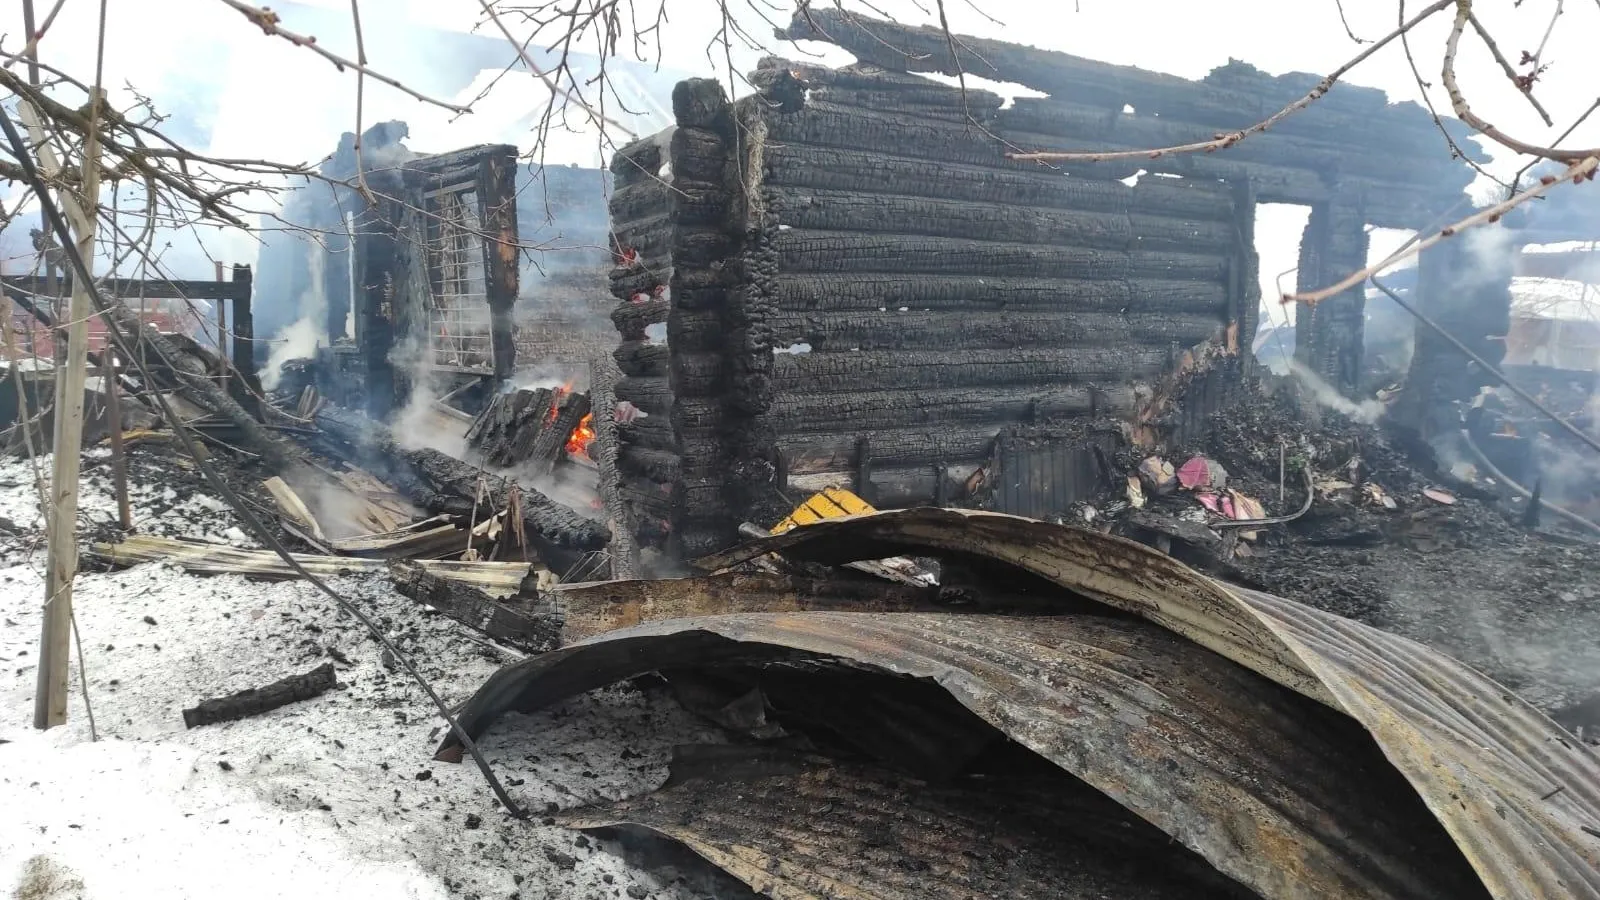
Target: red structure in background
30	338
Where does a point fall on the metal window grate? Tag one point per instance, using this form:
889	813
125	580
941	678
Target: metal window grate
459	324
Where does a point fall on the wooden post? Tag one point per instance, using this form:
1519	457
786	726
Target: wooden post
222	330
50	696
244	329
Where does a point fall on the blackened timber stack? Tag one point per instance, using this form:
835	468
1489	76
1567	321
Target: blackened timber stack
859	287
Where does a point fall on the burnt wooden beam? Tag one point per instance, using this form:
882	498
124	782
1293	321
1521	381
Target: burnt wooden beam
864	469
804	250
255	701
1393	202
842	169
1329	335
873	291
1232	97
443	484
529	627
555	431
899	447
824	209
497	197
244	327
133	288
931	331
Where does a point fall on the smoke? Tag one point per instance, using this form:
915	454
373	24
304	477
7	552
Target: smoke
302	338
1367	412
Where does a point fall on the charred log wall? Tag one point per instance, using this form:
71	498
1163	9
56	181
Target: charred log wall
1329	335
695	258
930	293
643	208
1352	141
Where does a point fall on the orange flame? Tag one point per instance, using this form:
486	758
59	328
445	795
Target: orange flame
582	436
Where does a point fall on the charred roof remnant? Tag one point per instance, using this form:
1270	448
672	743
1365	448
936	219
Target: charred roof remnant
1298	753
842	280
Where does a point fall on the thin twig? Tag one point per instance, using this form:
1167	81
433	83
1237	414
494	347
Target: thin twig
83	677
1578	171
30	51
268	21
522	52
1224	141
1346	23
1458	101
361	83
1523	86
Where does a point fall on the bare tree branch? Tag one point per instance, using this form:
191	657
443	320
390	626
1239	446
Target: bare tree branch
1224	141
1581	170
268	21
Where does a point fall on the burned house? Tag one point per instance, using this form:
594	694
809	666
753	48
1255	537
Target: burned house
450	266
844	279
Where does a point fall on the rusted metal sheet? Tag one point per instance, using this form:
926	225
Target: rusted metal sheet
1514	790
1275	791
598	607
793	826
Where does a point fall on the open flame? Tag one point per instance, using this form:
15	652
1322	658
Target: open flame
582	436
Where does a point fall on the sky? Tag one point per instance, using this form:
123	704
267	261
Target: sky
231	90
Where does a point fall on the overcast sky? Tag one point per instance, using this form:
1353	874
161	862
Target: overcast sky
233	91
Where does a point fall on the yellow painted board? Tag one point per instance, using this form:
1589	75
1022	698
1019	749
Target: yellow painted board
829	503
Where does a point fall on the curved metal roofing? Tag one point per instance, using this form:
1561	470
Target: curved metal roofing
1261	783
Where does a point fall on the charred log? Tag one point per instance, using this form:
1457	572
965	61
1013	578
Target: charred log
835	168
835	451
555	432
833	210
868	292
255	701
913	369
947	330
831	251
504	432
515	623
445	485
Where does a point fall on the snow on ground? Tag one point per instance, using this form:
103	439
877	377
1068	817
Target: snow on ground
336	796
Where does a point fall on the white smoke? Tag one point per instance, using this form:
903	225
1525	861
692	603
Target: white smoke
304	336
1366	412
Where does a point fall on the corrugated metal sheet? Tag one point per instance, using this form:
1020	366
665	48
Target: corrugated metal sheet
865	832
1511	787
1275	791
1044	477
